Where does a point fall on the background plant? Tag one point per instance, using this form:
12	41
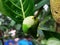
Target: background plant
17	10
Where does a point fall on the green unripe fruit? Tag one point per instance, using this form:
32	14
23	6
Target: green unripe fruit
28	22
53	41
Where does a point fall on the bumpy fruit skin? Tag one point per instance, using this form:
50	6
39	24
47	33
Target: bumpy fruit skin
28	22
55	9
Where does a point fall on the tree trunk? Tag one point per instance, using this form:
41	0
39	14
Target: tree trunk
57	27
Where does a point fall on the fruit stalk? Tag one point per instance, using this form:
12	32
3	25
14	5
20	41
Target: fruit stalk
38	12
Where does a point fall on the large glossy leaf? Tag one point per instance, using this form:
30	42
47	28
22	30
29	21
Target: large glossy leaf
41	4
17	9
36	1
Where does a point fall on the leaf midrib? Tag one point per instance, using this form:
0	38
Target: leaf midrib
22	8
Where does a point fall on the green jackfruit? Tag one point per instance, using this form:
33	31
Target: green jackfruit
29	22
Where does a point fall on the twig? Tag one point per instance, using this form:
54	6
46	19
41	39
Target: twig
40	9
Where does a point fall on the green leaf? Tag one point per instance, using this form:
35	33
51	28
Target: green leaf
43	28
12	23
49	34
41	3
17	9
45	20
36	1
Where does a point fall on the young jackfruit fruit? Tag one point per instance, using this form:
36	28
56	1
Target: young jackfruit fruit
55	9
28	22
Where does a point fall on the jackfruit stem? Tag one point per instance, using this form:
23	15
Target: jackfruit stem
35	16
